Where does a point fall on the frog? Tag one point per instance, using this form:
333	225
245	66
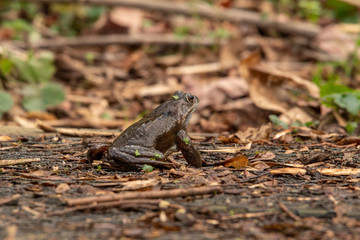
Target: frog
152	139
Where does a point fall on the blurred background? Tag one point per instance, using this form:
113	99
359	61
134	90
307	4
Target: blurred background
105	64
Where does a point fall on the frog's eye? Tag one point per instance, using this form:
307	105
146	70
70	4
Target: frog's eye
189	97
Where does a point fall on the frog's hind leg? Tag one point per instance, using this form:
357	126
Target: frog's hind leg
137	155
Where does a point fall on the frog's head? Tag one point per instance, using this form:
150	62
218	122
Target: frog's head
184	104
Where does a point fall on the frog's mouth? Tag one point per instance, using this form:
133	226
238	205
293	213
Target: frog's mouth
191	110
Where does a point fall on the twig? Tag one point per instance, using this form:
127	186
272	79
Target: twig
204	10
103	40
72	132
5	200
120	203
149	194
247	215
289	212
9	162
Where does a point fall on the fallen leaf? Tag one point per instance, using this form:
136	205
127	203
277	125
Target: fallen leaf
255	134
237	162
292	171
62	187
339	172
140	184
5	138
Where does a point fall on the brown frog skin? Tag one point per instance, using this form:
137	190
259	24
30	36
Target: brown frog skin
153	138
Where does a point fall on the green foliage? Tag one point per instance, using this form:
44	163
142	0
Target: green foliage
5	66
342	11
40	98
35	69
351	126
21	28
137	153
275	120
147	168
220	33
182	31
310	9
6	102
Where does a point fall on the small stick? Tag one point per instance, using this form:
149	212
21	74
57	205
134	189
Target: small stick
95	40
120	203
289	212
9	199
149	194
247	215
10	162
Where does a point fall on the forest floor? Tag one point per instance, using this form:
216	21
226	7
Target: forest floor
303	190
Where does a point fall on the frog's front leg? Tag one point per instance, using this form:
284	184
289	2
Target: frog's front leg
191	155
137	156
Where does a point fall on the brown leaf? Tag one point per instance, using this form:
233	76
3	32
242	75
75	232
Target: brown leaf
62	187
5	138
289	170
255	134
237	162
339	172
268	86
228	139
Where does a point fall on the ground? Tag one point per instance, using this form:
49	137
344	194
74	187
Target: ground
284	192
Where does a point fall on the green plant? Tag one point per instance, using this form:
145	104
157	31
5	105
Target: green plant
37	72
147	168
6	102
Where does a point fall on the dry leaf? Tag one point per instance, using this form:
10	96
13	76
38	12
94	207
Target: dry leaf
62	187
237	162
255	134
5	138
292	171
339	172
140	184
228	139
268	86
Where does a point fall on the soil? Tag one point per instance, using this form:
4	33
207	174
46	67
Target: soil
255	203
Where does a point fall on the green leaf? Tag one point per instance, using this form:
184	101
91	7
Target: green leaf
5	66
137	153
35	69
6	102
147	168
52	94
33	103
277	121
331	88
348	101
351	127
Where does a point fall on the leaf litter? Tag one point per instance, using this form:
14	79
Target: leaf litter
261	181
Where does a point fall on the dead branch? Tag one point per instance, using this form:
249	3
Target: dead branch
149	194
289	212
9	162
5	200
203	10
103	40
119	204
73	132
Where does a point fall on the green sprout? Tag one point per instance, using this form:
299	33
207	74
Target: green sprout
158	156
175	97
147	168
137	153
